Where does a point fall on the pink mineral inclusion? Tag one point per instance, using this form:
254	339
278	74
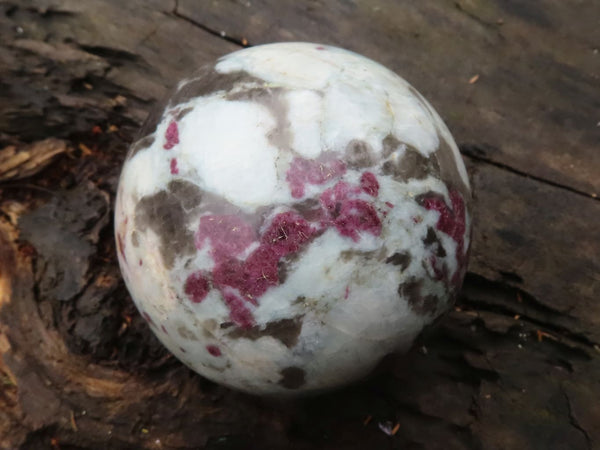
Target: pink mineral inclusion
369	184
243	276
196	287
355	216
171	136
213	350
452	222
174	168
331	199
238	311
147	317
244	281
309	171
347	213
229	235
121	246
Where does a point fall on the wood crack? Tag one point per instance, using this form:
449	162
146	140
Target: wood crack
574	421
470	297
220	34
483	23
474	152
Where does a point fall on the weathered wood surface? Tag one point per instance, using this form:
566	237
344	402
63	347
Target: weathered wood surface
515	366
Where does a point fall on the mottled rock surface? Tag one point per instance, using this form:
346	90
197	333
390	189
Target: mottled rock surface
286	172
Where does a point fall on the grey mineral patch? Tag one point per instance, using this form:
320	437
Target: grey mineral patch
140	144
349	255
433	243
282	271
167	213
135	239
180	114
390	144
400	259
207	81
420	304
188	194
412	164
285	330
359	154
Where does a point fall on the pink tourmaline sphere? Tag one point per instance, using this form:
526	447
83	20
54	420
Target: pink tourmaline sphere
294	214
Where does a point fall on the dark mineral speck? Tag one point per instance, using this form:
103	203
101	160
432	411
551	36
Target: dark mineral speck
292	377
400	259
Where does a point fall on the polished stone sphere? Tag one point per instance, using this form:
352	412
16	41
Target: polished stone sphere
292	215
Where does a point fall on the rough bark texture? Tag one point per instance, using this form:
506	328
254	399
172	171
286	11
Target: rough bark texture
515	366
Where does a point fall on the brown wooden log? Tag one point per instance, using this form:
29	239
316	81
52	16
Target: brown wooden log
516	365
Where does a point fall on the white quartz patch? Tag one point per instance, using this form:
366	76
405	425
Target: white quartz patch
226	143
363	99
305	118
